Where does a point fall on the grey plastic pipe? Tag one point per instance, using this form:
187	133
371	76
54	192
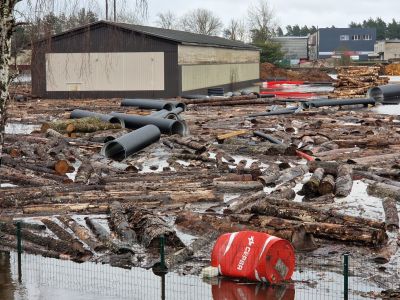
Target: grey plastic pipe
165	125
153	104
166	114
79	113
131	143
385	93
267	137
337	102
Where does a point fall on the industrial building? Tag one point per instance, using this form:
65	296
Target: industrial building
294	48
358	43
106	59
388	49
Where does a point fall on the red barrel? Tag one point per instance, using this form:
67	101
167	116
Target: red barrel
254	256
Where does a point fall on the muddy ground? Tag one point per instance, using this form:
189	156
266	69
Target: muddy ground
180	186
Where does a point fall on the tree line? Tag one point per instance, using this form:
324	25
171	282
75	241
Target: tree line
390	30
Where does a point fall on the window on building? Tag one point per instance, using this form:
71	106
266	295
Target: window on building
344	37
367	37
356	37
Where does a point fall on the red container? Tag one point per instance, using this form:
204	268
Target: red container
254	256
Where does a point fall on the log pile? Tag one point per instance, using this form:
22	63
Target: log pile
219	179
354	82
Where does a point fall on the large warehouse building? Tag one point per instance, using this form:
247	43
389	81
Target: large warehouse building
106	59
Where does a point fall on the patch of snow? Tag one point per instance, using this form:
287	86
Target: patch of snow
7	185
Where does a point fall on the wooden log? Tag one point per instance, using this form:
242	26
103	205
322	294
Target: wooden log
119	223
23	178
79	125
375	158
103	236
306	212
149	228
376	178
391	214
46	242
84	172
329	167
82	233
312	186
344	181
354	233
327	185
292	173
201	224
222	137
200	148
325	199
383	190
270	179
341	153
63	235
237	186
8	242
244	201
81	208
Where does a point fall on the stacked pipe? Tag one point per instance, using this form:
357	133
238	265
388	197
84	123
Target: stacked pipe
148	129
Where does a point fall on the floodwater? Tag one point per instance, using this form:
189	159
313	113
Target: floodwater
48	279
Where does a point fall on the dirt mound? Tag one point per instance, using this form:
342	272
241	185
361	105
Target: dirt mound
270	71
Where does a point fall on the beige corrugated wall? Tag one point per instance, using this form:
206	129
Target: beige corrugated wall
116	71
204	67
194	55
202	76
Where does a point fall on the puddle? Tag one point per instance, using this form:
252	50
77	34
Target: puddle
48	279
7	185
359	203
158	158
17	128
393	110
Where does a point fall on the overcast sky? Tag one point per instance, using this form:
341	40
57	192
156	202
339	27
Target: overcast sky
306	12
320	13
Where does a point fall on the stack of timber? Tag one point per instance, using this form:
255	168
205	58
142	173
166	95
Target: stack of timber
354	82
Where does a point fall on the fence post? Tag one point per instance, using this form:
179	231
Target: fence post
19	249
346	276
162	252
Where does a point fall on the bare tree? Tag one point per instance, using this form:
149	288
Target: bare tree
7	25
35	10
261	20
201	21
167	20
236	30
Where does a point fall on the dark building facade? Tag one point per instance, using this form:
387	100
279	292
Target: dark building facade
335	42
106	59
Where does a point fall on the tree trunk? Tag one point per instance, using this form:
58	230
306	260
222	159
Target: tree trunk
344	181
311	186
119	223
391	214
82	233
327	185
7	24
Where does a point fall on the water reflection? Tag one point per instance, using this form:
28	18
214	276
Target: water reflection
225	289
6	283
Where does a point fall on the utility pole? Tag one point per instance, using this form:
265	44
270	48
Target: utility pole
106	9
115	10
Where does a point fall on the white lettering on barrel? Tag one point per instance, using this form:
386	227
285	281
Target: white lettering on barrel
246	253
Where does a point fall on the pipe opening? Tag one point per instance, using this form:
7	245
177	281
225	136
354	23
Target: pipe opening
181	105
178	128
168	106
115	120
172	116
376	93
114	150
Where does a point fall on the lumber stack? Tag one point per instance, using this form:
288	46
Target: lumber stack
354	82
